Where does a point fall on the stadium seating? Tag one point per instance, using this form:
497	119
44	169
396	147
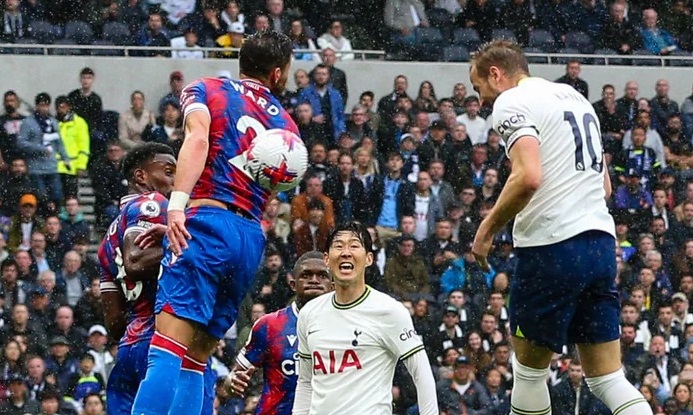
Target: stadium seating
455	54
44	32
580	41
543	40
79	32
466	37
118	33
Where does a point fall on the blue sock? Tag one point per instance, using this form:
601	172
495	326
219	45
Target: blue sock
190	389
158	388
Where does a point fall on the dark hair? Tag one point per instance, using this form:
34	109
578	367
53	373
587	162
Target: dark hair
357	228
367	94
9	93
502	343
86	71
89	395
50	392
628	303
264	51
135	92
394	154
607	86
41	98
633	326
8	262
87	356
140	154
316	204
504	54
62	99
310	255
470	99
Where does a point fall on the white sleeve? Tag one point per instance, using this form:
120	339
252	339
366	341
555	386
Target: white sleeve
422	375
513	119
304	387
400	336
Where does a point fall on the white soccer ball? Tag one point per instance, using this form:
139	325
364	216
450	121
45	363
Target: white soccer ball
277	160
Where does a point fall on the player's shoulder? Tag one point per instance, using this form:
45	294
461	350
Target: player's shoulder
316	304
148	204
386	303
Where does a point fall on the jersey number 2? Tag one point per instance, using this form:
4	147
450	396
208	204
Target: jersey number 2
597	163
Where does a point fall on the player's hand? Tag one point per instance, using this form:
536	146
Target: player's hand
481	247
178	236
237	382
151	236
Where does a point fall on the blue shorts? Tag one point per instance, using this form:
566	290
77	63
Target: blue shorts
129	371
565	293
208	282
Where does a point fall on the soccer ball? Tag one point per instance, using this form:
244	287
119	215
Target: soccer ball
277	160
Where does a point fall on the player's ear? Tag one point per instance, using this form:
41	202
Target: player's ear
139	175
292	283
276	75
326	258
369	259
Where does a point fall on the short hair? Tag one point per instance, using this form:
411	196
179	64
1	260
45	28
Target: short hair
10	93
308	256
264	51
316	204
664	304
48	393
607	86
504	54
62	99
502	343
140	154
357	228
136	92
86	71
394	154
633	326
367	94
628	303
8	262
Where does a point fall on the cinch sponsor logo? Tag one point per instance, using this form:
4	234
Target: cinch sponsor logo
407	334
504	125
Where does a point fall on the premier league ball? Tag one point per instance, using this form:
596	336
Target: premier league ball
277	160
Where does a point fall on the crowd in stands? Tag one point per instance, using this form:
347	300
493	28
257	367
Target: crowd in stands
421	168
409	29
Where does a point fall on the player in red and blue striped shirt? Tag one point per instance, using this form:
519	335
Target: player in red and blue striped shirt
273	342
214	240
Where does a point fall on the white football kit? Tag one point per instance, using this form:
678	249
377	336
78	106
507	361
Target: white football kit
349	353
570	199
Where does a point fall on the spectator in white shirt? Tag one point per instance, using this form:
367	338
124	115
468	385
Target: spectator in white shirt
188	44
334	39
477	126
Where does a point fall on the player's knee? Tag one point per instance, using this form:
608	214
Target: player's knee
529	374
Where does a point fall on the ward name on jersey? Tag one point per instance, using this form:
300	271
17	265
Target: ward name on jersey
350	351
571	197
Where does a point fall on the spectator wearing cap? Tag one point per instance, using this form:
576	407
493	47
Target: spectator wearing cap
312	234
24	223
19	402
89	308
450	334
40	310
477	126
682	316
97	344
462	394
84	382
632	195
326	101
39	139
405	273
85	102
233	39
169	128
60	363
20	325
176	84
74	133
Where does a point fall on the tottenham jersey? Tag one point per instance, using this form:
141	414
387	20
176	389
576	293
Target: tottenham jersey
570	199
350	352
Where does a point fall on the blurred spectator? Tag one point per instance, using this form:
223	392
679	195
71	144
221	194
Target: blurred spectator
676	18
65	327
133	15
57	242
278	17
60	363
482	16
72	220
71	280
628	103
24	223
358	125
426	100
169	127
657	41
93	405
232	39
301	41
84	382
132	122
663	107
39	139
40	310
405	273
14	23
402	18
440	188
632	195
26	268
176	10
326	101
299	204
90	266
678	151
387	105
18	402
74	134
98	340
393	197
311	131
232	13
611	120
34	10
188	45
618	33
687	116
552	16
449	335
38	252
176	84
14	185
89	309
335	40
462	393
260	24
652	140
518	17
312	235
85	102
21	326
427	208
13	290
36	381
153	33
572	396
347	192
638	157
10	123
338	77
587	16
572	78
477	127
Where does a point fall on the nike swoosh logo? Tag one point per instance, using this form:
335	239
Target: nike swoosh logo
311	332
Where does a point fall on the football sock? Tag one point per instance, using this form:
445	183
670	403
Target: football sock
618	394
210	381
190	389
530	391
159	386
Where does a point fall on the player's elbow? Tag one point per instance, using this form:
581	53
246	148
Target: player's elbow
531	180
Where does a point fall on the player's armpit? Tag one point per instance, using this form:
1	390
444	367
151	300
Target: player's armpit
114	306
140	264
420	370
